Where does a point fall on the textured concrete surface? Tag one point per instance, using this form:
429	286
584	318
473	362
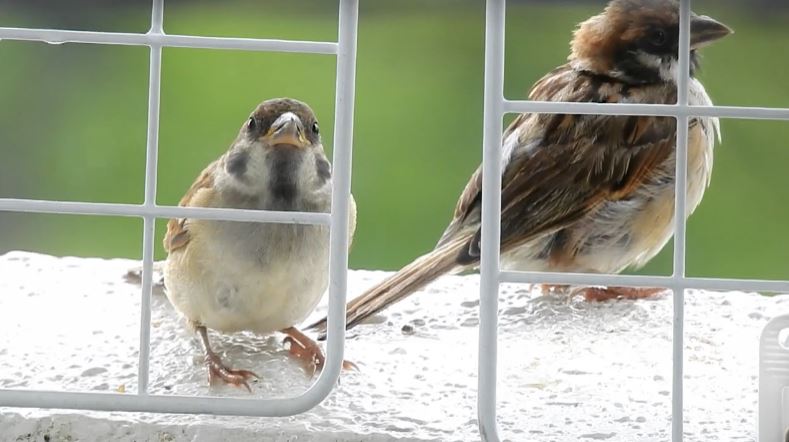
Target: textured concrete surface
569	370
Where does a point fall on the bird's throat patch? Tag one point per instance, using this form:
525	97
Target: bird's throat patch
284	163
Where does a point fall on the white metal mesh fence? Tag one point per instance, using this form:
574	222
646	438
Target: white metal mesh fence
156	39
491	275
494	109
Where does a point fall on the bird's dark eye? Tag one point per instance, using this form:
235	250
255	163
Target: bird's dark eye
658	37
252	123
315	129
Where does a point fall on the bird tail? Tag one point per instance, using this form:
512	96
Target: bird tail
406	281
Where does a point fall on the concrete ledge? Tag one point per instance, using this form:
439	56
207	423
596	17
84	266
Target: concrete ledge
569	370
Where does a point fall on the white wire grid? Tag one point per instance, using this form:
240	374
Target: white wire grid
496	106
156	39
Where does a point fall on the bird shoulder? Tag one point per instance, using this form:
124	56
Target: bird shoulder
177	235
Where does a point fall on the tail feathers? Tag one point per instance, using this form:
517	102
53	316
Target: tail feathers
406	281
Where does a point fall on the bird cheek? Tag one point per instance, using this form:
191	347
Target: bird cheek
237	162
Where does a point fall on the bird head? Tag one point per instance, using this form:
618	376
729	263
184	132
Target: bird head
282	123
278	150
637	41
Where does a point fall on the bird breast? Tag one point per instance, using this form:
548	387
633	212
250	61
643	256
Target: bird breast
259	277
255	276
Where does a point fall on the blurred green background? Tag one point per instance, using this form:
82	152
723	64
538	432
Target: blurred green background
73	117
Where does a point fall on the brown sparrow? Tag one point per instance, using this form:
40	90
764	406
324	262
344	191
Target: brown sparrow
585	193
264	277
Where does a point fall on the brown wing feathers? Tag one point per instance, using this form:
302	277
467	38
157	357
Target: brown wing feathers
541	186
565	167
177	234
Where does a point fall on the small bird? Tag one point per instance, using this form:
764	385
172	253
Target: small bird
584	193
264	277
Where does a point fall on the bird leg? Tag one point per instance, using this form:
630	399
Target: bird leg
307	350
218	370
600	294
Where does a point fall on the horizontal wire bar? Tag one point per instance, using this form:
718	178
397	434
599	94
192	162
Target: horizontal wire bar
56	36
751	285
667	110
117	209
155	403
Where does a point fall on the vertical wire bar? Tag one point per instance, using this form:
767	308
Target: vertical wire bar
341	189
157	17
491	218
149	224
680	228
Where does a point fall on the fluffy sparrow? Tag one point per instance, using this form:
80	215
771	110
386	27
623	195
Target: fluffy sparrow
585	193
233	276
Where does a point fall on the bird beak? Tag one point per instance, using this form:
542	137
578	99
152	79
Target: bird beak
705	30
286	130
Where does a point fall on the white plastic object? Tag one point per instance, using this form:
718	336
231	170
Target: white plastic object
774	382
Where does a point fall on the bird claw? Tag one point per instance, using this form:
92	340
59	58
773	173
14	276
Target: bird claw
348	365
313	360
218	370
602	294
551	289
312	356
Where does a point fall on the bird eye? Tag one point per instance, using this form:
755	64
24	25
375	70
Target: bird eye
252	123
315	129
658	37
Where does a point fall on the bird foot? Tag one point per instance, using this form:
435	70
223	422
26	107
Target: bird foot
551	289
309	352
602	294
218	370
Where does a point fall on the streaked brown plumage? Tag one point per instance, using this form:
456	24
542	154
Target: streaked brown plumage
584	193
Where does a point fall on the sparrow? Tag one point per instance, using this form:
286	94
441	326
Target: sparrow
264	277
584	193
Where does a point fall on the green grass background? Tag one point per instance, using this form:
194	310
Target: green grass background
73	120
